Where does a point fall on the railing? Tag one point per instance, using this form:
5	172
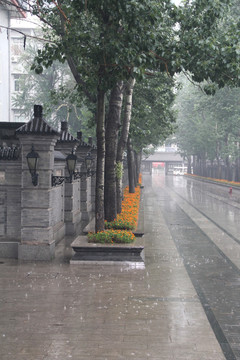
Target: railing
9	153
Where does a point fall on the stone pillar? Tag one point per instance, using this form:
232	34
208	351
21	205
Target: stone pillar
37	230
84	196
72	207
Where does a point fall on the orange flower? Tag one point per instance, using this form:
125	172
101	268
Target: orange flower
127	220
215	180
130	208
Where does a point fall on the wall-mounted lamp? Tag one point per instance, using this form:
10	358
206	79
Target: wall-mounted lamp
71	161
89	160
32	160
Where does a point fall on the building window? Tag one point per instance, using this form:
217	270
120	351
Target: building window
16	80
17	46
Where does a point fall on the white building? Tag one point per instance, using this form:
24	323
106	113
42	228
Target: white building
21	31
7	12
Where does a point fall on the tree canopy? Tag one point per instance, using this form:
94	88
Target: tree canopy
153	119
107	41
208	126
55	89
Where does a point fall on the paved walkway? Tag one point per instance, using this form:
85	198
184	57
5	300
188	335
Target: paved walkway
59	311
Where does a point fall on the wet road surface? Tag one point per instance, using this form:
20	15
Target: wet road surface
208	242
183	305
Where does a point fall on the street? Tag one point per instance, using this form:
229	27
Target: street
205	229
182	305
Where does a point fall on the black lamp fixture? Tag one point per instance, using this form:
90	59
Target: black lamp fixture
89	163
71	161
88	160
32	160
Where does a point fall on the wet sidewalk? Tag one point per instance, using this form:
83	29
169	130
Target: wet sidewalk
60	311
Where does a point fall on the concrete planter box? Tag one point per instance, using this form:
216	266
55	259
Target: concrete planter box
85	251
109	253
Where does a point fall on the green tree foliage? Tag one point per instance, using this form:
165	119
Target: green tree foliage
54	88
106	41
209	43
208	126
152	116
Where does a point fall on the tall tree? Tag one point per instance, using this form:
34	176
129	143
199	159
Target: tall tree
122	143
114	39
153	117
112	129
208	126
106	41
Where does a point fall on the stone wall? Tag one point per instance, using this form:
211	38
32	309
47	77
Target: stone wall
10	200
72	207
35	216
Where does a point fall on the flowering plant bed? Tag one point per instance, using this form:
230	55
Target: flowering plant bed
128	218
118	242
111	236
219	181
120	229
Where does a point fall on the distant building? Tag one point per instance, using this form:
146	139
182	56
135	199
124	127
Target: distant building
7	12
166	160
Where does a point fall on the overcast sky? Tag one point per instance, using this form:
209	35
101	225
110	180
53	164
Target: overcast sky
176	2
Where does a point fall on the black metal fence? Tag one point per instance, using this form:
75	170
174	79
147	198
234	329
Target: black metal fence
218	171
9	153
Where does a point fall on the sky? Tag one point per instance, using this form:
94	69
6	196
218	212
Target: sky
176	2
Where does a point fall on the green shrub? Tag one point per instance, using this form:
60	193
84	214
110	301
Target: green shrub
119	225
111	237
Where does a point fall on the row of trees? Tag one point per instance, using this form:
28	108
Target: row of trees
208	126
152	118
109	45
209	129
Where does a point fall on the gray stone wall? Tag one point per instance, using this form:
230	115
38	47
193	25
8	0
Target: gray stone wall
72	207
35	216
3	213
57	204
10	200
89	194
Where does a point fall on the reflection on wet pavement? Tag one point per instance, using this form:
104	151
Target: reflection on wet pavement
210	254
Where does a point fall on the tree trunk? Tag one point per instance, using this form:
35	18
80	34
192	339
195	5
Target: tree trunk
131	167
203	163
189	165
194	165
112	129
122	144
135	167
138	164
99	206
237	170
